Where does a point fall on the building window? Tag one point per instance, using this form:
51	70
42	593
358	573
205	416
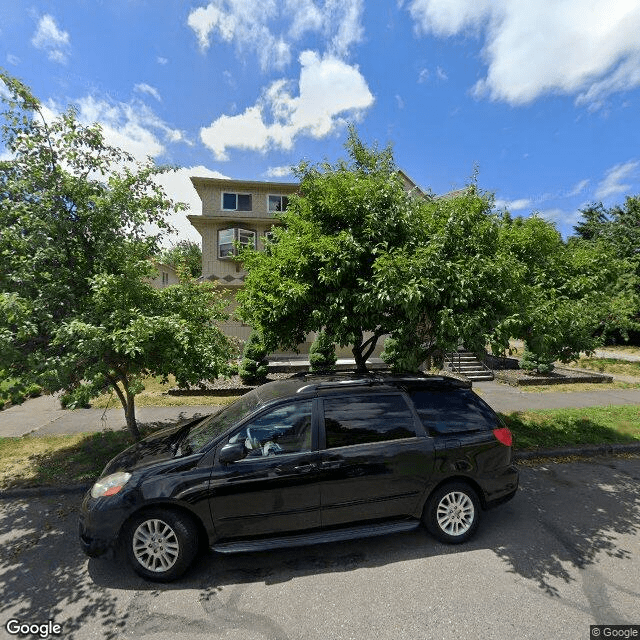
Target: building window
277	203
165	278
236	201
228	237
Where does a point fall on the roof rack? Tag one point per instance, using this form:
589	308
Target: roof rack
371	378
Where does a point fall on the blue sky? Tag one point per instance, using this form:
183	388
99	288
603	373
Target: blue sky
542	97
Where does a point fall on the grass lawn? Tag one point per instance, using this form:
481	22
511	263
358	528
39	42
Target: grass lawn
568	427
578	386
610	365
60	460
63	460
155	395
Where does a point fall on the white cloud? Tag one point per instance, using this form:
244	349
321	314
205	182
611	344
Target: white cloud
258	27
514	205
245	22
585	48
14	60
578	188
161	60
423	76
563	220
177	185
131	126
613	180
51	39
330	90
148	89
442	74
278	172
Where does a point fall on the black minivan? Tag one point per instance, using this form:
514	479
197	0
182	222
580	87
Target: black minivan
301	461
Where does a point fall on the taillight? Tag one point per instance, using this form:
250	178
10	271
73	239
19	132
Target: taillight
503	435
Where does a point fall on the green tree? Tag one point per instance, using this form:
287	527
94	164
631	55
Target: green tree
358	255
129	330
564	296
184	252
595	220
318	271
615	232
75	214
454	284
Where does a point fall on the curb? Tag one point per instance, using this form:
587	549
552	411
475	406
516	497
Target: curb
584	452
46	490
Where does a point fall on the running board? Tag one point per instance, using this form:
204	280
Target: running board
317	537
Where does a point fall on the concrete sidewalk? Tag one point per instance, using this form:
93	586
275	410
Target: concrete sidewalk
44	416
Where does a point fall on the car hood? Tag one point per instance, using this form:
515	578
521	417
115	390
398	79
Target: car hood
159	447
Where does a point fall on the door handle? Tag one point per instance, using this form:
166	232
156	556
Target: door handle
332	464
305	468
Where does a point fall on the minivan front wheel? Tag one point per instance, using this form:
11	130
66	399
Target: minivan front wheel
161	544
452	513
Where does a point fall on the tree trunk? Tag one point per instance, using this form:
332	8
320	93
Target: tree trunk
128	406
130	413
362	350
361	360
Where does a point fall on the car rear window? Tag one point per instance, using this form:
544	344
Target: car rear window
452	411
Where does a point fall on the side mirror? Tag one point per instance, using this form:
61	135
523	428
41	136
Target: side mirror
232	452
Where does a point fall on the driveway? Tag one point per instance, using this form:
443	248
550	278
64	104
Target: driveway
564	554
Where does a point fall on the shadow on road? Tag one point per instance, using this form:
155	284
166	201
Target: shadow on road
564	518
43	574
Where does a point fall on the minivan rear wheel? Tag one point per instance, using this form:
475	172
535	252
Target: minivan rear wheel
161	544
452	513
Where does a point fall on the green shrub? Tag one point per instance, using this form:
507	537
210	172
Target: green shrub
536	362
253	366
15	391
322	354
401	357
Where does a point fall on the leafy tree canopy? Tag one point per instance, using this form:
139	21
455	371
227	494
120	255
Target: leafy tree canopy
564	301
359	256
184	252
75	215
615	233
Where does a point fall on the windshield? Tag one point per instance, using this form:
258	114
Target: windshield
215	425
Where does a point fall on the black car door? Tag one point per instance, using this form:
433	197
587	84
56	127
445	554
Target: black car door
274	488
375	460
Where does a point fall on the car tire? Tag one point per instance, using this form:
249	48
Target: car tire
161	544
452	513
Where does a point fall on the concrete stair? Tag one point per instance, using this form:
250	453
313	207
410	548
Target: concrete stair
466	363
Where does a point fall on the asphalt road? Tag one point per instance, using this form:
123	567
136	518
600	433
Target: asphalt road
564	554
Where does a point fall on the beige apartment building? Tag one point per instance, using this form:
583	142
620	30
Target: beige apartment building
236	211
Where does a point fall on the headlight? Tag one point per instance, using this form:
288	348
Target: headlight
110	485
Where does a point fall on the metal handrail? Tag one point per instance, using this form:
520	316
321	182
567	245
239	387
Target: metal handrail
452	356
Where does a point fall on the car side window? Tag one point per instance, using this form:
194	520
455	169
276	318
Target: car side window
284	429
361	419
450	411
